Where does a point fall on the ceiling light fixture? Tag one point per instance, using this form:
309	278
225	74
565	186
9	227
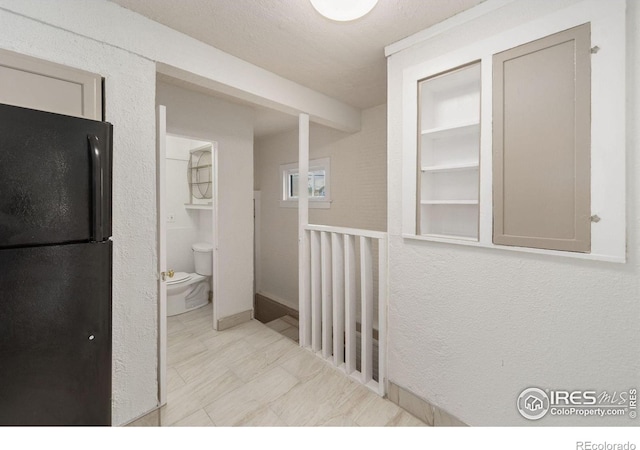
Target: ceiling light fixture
343	10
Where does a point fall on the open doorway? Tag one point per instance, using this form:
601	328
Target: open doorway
187	220
189	224
198	114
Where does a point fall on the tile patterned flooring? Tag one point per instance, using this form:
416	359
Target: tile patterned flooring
252	375
286	326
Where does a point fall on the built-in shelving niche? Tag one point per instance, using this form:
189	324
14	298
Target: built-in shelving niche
449	154
200	178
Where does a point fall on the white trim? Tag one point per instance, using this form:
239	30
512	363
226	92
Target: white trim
161	170
349	231
257	258
537	251
482	9
313	204
215	214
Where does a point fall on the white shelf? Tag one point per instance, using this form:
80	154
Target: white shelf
448	155
452	130
197	206
449	202
451	167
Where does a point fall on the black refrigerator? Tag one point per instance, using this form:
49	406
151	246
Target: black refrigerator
55	269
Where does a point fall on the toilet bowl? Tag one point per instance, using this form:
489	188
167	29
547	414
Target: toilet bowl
188	291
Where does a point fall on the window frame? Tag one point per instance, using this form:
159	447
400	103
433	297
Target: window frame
286	170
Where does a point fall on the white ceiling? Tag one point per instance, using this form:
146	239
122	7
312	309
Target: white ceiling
344	60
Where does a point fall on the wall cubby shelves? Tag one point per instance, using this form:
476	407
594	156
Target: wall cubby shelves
449	154
515	142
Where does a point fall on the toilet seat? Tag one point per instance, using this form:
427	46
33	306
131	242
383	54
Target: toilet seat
179	277
187	291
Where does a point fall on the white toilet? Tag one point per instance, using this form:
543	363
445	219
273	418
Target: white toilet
187	291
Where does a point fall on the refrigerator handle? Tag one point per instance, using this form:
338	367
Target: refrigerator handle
97	188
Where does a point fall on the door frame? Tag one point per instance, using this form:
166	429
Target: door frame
214	221
257	199
161	167
161	153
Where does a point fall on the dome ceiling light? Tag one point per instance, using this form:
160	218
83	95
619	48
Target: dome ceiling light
343	10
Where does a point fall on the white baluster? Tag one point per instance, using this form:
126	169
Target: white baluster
350	300
337	263
382	315
366	325
316	292
327	306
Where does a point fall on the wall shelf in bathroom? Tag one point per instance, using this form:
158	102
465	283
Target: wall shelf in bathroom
197	206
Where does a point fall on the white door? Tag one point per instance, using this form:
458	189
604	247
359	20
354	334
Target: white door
161	142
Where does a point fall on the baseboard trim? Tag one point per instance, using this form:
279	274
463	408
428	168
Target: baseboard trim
421	408
279	300
129	422
268	309
235	319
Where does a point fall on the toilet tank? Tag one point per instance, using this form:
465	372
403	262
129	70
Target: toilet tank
202	258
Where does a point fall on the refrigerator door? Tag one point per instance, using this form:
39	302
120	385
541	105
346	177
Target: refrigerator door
55	178
55	335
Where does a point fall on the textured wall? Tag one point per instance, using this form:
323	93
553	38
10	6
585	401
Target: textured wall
130	93
470	328
358	191
130	106
124	47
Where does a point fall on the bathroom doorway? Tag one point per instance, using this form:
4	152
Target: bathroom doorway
187	238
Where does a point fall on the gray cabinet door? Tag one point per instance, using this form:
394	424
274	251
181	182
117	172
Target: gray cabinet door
541	143
38	84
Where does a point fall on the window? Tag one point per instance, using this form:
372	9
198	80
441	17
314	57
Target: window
318	184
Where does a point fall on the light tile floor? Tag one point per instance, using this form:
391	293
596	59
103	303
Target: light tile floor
251	375
286	326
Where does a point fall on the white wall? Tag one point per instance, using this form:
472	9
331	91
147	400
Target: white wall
196	115
126	49
470	328
358	193
185	229
129	105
